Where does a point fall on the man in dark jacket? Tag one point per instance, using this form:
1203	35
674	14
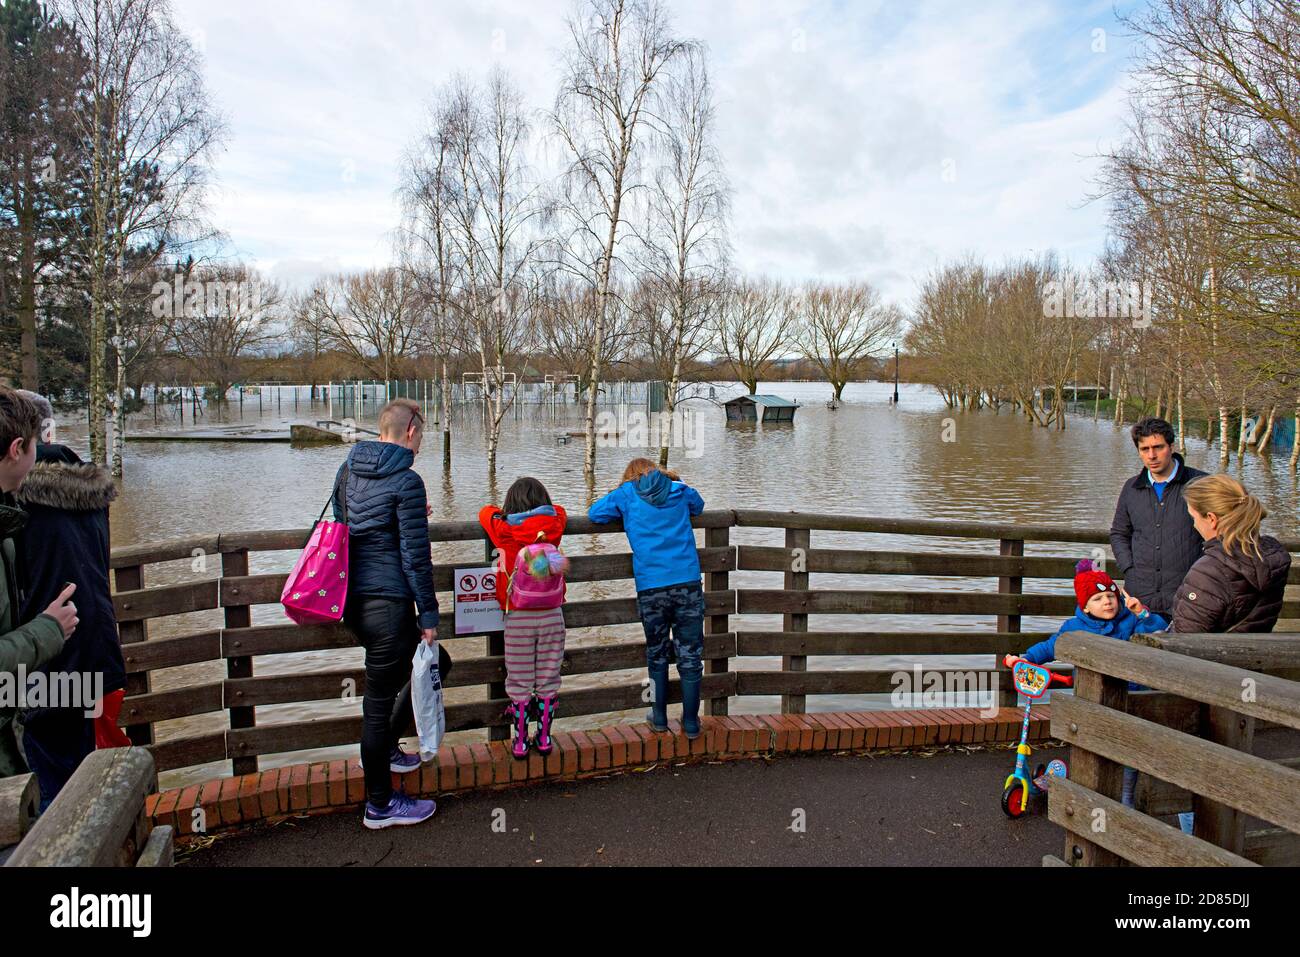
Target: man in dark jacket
68	504
1239	581
390	570
1153	538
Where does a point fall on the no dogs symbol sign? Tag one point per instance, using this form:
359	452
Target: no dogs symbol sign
477	609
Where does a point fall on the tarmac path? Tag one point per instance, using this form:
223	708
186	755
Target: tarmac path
793	810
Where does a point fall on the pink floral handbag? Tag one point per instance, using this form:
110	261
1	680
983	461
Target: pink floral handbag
317	589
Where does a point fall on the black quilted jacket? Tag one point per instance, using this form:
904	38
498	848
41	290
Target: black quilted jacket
1155	542
1233	590
388	528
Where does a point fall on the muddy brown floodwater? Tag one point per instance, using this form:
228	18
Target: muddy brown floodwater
865	458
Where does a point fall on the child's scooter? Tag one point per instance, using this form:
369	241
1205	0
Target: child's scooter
1032	681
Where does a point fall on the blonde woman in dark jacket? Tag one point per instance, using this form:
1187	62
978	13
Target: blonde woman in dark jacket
1237	583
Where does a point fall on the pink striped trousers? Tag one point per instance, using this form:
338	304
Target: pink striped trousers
534	651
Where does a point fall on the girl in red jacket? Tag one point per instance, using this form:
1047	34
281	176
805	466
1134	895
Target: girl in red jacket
534	637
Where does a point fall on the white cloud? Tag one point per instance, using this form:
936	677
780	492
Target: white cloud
838	123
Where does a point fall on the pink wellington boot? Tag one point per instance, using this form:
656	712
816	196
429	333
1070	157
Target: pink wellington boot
545	711
518	714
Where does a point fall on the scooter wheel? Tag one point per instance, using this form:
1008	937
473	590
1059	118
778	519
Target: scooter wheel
1013	799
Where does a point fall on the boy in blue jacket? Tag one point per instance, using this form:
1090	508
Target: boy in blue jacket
656	510
1099	612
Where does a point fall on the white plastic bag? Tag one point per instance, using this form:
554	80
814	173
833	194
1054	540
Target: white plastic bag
426	699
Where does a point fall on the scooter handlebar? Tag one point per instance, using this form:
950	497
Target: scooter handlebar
1065	681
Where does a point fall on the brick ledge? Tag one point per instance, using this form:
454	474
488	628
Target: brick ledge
323	786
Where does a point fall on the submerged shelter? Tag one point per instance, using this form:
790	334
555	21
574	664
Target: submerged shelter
746	408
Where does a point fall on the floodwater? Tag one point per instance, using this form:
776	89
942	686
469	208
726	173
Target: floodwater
868	457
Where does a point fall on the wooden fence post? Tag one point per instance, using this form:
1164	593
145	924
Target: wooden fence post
1214	822
1008	585
795	538
496	648
131	578
717	624
235	564
1092	771
98	819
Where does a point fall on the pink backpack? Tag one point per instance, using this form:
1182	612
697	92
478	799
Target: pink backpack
538	578
317	589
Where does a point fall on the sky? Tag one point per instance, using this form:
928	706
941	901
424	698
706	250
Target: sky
864	139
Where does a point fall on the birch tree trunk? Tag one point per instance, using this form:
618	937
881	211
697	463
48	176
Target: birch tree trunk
1241	429
119	405
1223	437
1182	422
679	323
602	293
119	384
1262	440
98	292
1178	385
446	417
618	50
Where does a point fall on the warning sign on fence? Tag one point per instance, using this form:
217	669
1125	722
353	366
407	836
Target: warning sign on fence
476	601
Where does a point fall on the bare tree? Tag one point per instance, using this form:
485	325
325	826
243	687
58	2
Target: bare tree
148	131
228	315
490	206
310	335
373	317
842	327
686	230
611	71
565	327
752	327
426	243
509	202
948	333
1214	155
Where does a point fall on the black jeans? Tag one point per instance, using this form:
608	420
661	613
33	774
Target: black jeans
387	629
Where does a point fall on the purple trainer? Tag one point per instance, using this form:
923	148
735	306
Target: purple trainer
399	762
401	810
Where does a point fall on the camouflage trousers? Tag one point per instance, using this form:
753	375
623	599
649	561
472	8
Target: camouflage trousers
673	620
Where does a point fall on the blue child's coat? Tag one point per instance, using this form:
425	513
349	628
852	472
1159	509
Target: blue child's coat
656	514
1123	626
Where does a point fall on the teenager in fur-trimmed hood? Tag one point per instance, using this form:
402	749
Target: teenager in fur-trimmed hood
66	539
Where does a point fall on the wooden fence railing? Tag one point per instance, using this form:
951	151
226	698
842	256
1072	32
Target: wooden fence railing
240	643
1191	739
98	819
